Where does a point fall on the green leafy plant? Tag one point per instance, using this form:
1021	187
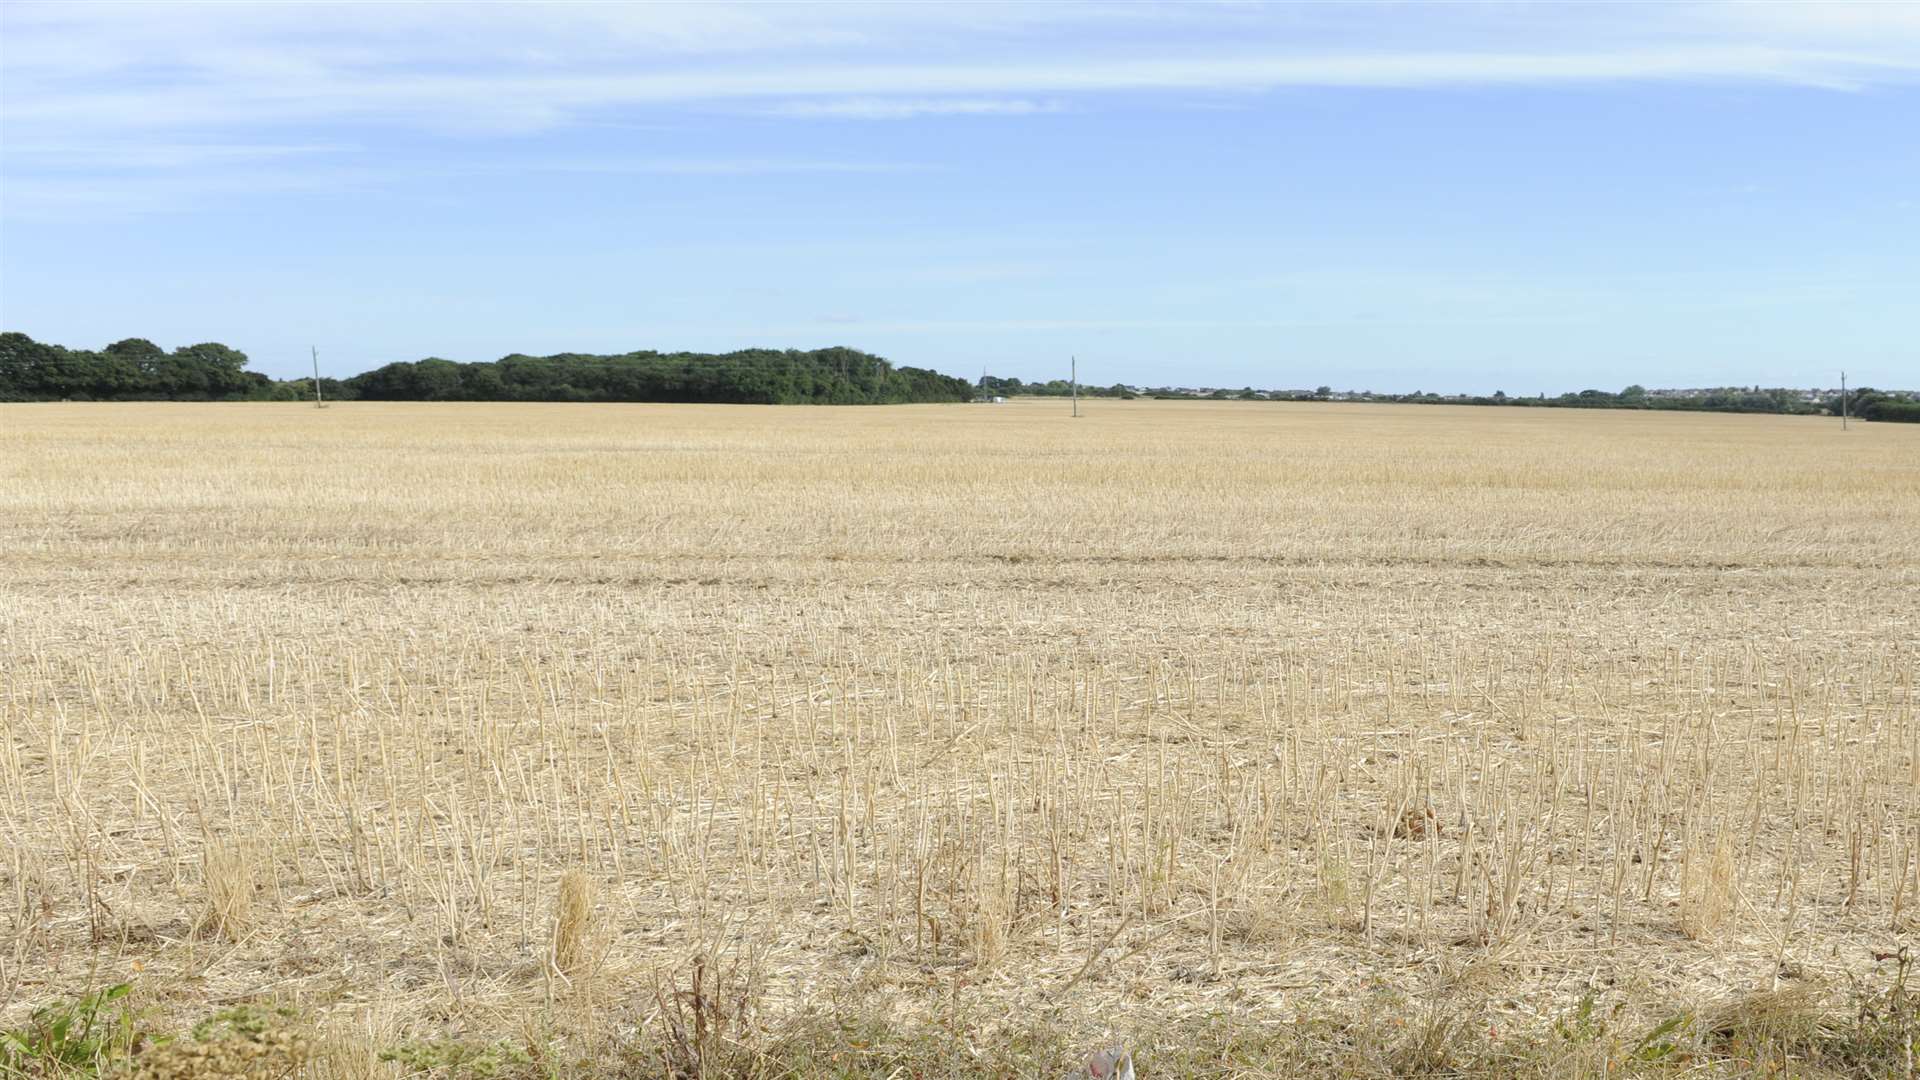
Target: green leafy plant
1656	1045
456	1057
244	1022
1582	1025
72	1037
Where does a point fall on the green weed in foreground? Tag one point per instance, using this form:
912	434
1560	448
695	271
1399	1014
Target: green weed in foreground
70	1038
458	1058
1796	1031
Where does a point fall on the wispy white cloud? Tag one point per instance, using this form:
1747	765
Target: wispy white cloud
149	67
95	183
706	166
126	154
119	194
1027	326
194	88
885	108
534	99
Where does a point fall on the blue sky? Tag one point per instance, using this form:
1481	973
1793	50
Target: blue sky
1392	197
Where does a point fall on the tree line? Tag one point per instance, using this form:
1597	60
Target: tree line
138	370
1865	403
836	376
995	386
132	370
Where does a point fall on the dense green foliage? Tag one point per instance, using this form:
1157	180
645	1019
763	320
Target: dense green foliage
139	370
1870	404
1904	412
70	1037
132	370
995	386
835	376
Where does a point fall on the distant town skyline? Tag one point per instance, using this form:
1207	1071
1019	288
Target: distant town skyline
1452	198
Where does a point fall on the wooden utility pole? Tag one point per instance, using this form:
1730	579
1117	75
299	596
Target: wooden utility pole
1074	370
1843	401
318	403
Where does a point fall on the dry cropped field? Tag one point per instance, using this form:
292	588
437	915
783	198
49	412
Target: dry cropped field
969	717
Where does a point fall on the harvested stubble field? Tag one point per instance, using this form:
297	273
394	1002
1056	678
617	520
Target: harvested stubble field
449	725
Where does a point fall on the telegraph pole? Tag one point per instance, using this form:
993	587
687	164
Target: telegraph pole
1843	401
317	402
1074	369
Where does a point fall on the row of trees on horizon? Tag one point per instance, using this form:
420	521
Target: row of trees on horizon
138	370
1865	402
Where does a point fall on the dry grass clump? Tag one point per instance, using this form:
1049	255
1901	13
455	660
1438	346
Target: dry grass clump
229	873
1707	889
1180	710
989	930
573	924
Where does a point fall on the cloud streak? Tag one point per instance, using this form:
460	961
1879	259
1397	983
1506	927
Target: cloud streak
177	90
883	108
511	68
519	101
98	183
